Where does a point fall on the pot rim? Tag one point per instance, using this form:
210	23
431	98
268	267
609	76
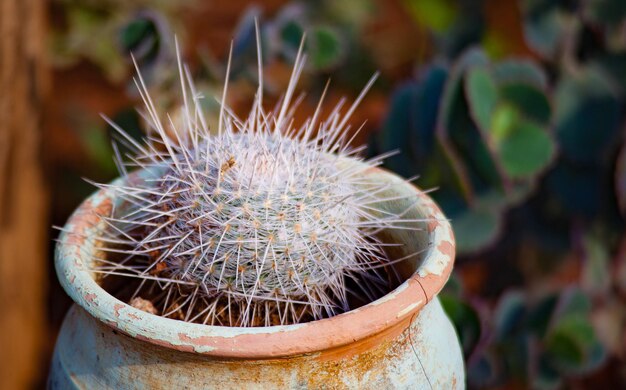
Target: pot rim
399	306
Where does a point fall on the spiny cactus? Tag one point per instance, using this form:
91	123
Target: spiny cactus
260	224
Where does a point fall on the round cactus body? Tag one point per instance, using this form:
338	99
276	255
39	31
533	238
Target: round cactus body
257	225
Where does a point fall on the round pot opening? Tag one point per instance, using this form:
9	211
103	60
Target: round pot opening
422	277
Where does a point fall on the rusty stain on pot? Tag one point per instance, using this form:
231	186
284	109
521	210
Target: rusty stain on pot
433	224
90	297
373	341
446	248
117	307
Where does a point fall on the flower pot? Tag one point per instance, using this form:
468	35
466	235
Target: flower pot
403	340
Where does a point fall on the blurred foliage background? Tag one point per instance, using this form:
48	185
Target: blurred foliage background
512	110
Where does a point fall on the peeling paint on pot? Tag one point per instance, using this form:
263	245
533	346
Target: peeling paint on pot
403	340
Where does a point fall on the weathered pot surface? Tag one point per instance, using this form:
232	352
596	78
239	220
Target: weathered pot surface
403	340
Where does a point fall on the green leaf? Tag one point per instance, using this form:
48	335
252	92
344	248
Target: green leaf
520	72
410	128
326	48
476	229
606	12
95	143
614	66
545	29
141	38
354	13
452	100
134	32
564	349
455	124
531	101
578	327
547	377
438	15
577	189
397	130
587	113
509	315
98	146
482	371
570	343
454	286
244	42
482	95
504	121
525	150
90	35
291	34
540	315
574	302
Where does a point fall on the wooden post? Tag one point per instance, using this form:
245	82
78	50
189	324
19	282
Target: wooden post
23	195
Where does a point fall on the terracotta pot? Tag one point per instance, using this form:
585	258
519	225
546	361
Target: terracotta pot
403	340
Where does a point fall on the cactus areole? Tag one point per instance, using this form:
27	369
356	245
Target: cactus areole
255	241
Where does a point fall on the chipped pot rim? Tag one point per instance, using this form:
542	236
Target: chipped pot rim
395	308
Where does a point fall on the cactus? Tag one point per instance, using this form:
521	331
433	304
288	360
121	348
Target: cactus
260	224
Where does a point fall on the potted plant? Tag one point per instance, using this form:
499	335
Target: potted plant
259	257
